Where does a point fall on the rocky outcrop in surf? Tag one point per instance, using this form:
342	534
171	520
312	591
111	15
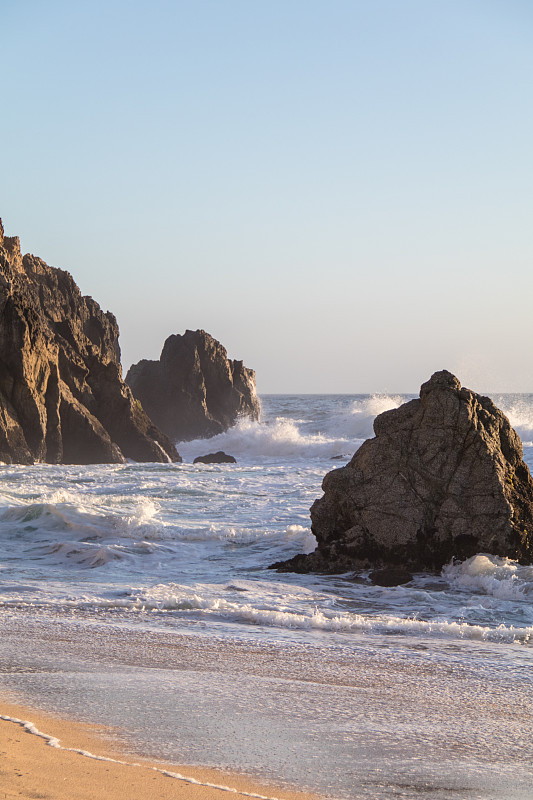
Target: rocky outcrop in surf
62	397
215	458
194	390
443	478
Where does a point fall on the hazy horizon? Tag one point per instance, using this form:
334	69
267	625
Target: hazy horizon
339	193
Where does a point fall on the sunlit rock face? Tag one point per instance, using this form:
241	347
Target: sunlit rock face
443	478
62	397
194	390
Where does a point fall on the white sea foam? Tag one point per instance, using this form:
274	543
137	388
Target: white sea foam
53	741
519	411
492	575
320	435
357	422
281	438
69	512
289	607
280	606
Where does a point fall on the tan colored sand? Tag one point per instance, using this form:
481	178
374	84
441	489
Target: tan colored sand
31	768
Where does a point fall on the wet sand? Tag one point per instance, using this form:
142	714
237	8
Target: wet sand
380	719
83	766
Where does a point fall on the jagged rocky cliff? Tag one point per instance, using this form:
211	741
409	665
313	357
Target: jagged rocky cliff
443	477
194	390
62	397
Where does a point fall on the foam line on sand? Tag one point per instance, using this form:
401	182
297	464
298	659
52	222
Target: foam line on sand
132	766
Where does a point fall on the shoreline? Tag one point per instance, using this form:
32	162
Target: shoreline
373	721
52	758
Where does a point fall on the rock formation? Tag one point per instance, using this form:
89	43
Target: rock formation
443	478
62	397
194	390
215	458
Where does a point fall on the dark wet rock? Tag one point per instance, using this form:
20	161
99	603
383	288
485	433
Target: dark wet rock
390	576
215	458
62	397
194	390
443	478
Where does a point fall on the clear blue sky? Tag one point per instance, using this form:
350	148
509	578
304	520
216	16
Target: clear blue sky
340	192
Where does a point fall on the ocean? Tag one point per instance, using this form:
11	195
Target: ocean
139	596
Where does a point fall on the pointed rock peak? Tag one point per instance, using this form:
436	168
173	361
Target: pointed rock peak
440	380
12	245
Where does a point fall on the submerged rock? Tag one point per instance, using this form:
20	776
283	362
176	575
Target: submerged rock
390	576
443	478
194	390
62	397
215	458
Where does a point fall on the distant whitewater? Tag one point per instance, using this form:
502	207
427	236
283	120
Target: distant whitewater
303	427
167	550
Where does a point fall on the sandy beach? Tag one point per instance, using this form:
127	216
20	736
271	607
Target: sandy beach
57	759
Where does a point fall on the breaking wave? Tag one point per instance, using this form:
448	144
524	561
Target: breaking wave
358	421
496	576
320	435
519	411
302	612
243	604
278	438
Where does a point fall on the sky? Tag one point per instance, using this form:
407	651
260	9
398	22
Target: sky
341	192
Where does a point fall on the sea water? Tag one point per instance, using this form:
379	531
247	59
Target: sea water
139	595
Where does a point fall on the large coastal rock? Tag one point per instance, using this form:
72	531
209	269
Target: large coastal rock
443	478
194	390
62	397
